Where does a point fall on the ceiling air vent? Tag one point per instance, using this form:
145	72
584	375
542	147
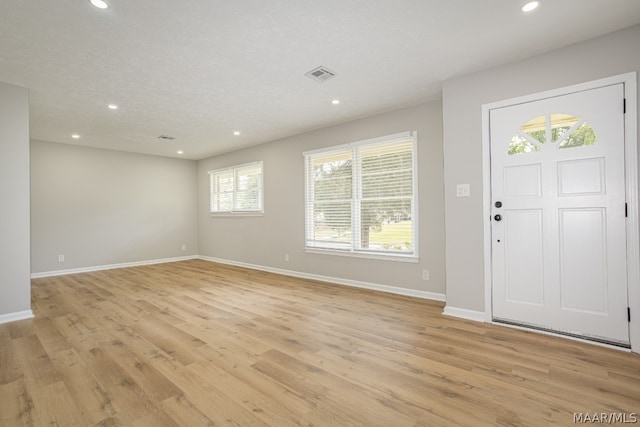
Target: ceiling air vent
320	74
167	137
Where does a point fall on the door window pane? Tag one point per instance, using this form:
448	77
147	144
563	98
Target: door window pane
563	130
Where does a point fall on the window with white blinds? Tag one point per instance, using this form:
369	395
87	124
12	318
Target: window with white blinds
361	197
237	190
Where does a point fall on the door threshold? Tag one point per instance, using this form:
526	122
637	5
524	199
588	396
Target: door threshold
555	332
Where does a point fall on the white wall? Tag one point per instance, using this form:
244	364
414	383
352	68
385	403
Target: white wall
463	97
264	240
101	207
15	285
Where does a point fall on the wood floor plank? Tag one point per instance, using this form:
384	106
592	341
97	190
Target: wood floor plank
215	404
34	361
184	412
170	339
50	337
342	393
270	410
16	405
11	370
56	407
230	353
198	343
91	397
154	384
125	395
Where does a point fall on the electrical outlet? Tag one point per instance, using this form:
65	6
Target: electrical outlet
184	246
60	258
286	257
425	274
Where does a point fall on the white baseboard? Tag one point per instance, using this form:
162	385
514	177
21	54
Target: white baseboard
12	317
463	313
353	283
110	266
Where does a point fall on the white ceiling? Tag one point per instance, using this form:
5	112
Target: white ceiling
197	70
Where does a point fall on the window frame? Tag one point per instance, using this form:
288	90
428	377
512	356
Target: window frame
356	200
234	210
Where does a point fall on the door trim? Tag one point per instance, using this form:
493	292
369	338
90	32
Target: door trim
631	181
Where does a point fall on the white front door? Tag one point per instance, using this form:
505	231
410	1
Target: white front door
558	214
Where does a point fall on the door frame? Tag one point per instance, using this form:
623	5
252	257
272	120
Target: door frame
631	182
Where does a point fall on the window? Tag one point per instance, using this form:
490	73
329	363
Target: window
568	130
237	190
361	197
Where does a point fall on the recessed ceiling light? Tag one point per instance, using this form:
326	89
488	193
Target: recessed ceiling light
335	102
112	106
75	136
100	4
532	5
236	132
180	152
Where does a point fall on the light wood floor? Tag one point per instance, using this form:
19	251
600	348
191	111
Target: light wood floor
196	343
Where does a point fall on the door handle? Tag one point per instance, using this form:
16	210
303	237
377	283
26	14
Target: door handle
498	217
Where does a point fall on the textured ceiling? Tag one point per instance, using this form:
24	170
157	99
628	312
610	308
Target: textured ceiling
197	70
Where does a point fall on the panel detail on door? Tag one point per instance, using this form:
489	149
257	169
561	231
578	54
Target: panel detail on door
583	260
581	177
522	181
524	256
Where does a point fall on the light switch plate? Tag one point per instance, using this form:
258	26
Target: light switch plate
463	190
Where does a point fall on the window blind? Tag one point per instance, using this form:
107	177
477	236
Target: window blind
361	197
237	189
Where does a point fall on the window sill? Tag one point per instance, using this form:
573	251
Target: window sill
365	255
234	214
